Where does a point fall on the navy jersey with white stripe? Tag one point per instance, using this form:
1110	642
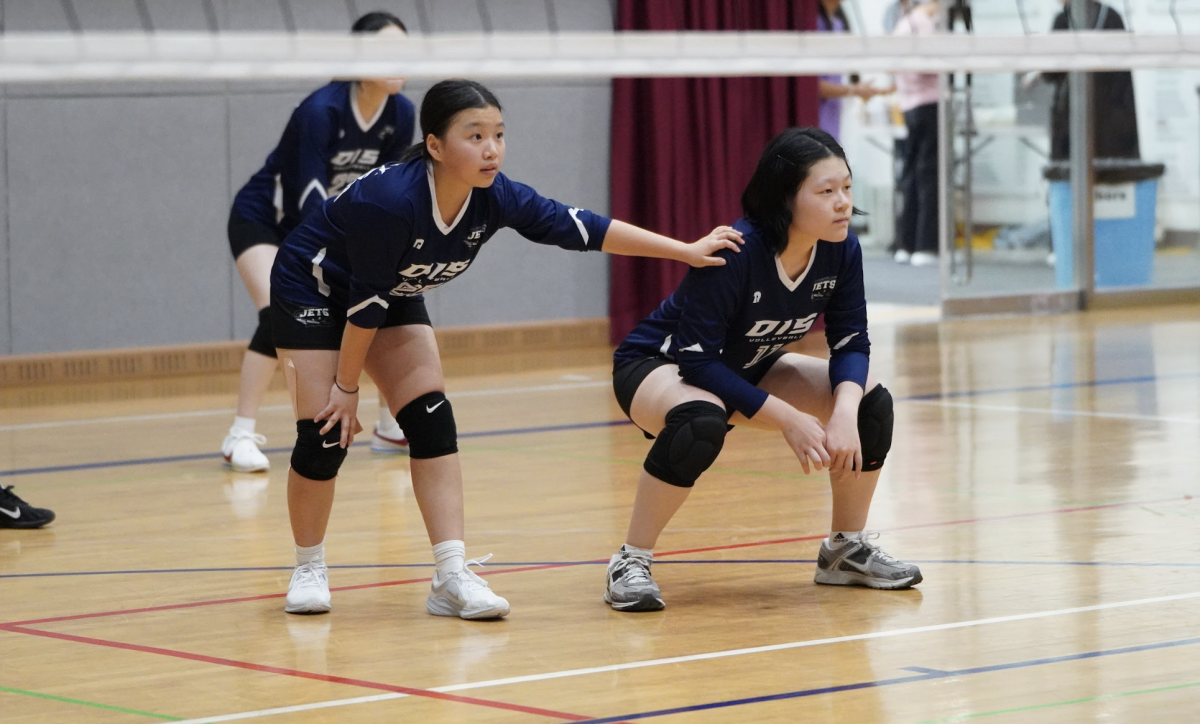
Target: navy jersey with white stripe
723	322
384	237
326	145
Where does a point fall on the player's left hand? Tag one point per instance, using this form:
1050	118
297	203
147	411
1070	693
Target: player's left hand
843	445
700	253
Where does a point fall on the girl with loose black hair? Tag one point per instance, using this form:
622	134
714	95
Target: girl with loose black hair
712	355
347	297
783	166
336	134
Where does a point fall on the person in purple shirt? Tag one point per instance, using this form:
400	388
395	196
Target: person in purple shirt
831	88
336	134
713	355
347	296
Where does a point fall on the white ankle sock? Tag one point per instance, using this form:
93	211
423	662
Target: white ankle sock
646	553
311	554
449	555
387	424
846	536
243	423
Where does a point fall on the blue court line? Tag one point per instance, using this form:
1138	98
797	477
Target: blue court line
597	562
925	675
591	425
272	450
1042	388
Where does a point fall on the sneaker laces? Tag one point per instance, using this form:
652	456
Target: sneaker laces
469	577
635	569
8	494
238	433
310	574
867	540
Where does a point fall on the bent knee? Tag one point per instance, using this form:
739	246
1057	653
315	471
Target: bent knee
689	443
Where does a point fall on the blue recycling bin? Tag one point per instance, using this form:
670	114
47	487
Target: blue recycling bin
1125	200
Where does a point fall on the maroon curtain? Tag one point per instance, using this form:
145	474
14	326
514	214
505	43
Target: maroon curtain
683	148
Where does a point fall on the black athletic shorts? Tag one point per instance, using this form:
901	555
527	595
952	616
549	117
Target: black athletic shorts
244	234
296	326
628	376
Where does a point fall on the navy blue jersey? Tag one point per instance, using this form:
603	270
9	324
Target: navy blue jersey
723	322
325	146
384	237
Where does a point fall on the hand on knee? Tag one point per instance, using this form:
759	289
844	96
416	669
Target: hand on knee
317	456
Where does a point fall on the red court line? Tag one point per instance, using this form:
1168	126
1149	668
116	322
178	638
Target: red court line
730	546
298	674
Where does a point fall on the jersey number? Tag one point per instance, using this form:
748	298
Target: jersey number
765	351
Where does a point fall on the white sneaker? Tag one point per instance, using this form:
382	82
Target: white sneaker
901	256
465	595
309	590
923	258
388	443
241	452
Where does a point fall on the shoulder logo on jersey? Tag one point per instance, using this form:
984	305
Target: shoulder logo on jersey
757	296
823	288
418	243
474	236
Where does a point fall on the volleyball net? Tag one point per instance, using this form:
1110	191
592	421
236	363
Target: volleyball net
116	56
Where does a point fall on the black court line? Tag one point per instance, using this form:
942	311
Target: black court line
273	450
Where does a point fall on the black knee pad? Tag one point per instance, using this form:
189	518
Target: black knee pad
875	422
428	423
689	443
263	341
317	456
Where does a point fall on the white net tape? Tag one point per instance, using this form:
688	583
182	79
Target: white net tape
28	57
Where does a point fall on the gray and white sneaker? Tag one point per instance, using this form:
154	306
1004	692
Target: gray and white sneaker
629	586
309	590
465	595
861	563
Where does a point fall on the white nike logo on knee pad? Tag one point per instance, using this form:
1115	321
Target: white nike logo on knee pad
431	409
328	444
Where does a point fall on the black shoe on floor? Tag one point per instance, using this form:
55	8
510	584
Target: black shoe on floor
16	513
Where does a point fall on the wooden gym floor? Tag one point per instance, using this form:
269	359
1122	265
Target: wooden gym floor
1043	477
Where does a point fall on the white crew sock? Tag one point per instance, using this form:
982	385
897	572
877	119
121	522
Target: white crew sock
311	554
639	552
835	542
449	555
244	423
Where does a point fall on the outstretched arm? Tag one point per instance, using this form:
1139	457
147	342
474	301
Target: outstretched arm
629	240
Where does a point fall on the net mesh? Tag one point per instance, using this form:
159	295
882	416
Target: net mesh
49	57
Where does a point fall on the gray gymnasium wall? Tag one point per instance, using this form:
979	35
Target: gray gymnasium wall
116	195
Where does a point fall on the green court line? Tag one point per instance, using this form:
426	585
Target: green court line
965	717
92	704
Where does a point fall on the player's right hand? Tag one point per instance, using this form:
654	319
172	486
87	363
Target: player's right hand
806	437
700	253
343	408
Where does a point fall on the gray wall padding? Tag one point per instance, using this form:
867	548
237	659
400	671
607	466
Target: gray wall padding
117	194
